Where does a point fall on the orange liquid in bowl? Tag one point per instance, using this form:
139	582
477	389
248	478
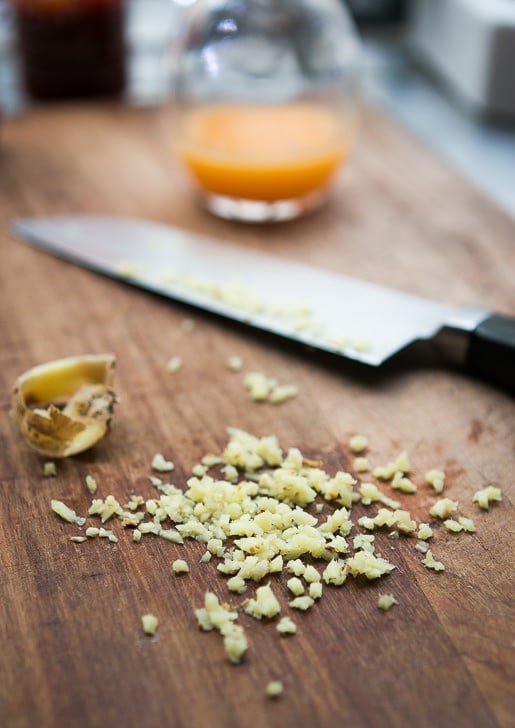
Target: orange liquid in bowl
264	153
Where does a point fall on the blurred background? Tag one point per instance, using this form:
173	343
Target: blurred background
445	69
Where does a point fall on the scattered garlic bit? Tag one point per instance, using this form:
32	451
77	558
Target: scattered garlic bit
311	575
486	496
358	444
315	590
303	603
237	584
84	385
367	522
386	601
435	478
66	513
265	389
92	532
264	605
286	626
206	557
174	364
400	465
363	542
403	483
259	386
217	616
235	363
106	533
370	493
386	518
78	539
199	470
368	564
296	566
424	531
179	566
282	392
335	572
295	586
452	525
443	508
422	546
162	465
361	464
106	509
91	484
467	523
430	563
274	689
149	622
136	536
49	469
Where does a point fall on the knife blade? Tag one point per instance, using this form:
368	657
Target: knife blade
357	319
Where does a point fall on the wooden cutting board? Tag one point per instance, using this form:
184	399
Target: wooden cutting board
73	651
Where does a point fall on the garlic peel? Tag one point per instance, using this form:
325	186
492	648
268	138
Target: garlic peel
65	406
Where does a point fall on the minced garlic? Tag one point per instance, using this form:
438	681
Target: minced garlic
358	444
315	590
283	392
430	563
403	483
216	616
49	469
368	564
91	484
400	465
335	572
467	524
443	508
235	363
180	566
435	478
160	463
248	507
174	364
286	626
303	603
386	601
66	513
361	464
237	584
264	605
424	531
149	622
274	689
295	586
452	525
487	495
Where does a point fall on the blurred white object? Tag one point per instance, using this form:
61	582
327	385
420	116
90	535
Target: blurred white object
471	45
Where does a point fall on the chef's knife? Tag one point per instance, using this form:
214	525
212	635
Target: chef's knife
335	313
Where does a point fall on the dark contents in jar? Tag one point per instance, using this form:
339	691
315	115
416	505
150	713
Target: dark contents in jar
72	49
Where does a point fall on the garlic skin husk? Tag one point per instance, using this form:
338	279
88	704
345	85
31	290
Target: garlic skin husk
65	406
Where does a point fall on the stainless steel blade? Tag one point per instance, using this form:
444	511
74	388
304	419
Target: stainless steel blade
332	312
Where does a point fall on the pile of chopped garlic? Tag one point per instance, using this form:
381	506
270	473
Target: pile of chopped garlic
259	512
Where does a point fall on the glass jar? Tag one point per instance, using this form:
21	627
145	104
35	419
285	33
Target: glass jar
71	48
267	94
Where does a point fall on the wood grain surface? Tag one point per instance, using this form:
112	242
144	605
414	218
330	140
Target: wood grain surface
73	651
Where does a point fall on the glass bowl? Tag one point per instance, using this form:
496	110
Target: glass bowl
267	94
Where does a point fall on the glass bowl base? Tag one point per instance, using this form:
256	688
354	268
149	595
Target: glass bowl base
261	211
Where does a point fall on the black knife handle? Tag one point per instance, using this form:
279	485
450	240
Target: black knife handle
491	352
